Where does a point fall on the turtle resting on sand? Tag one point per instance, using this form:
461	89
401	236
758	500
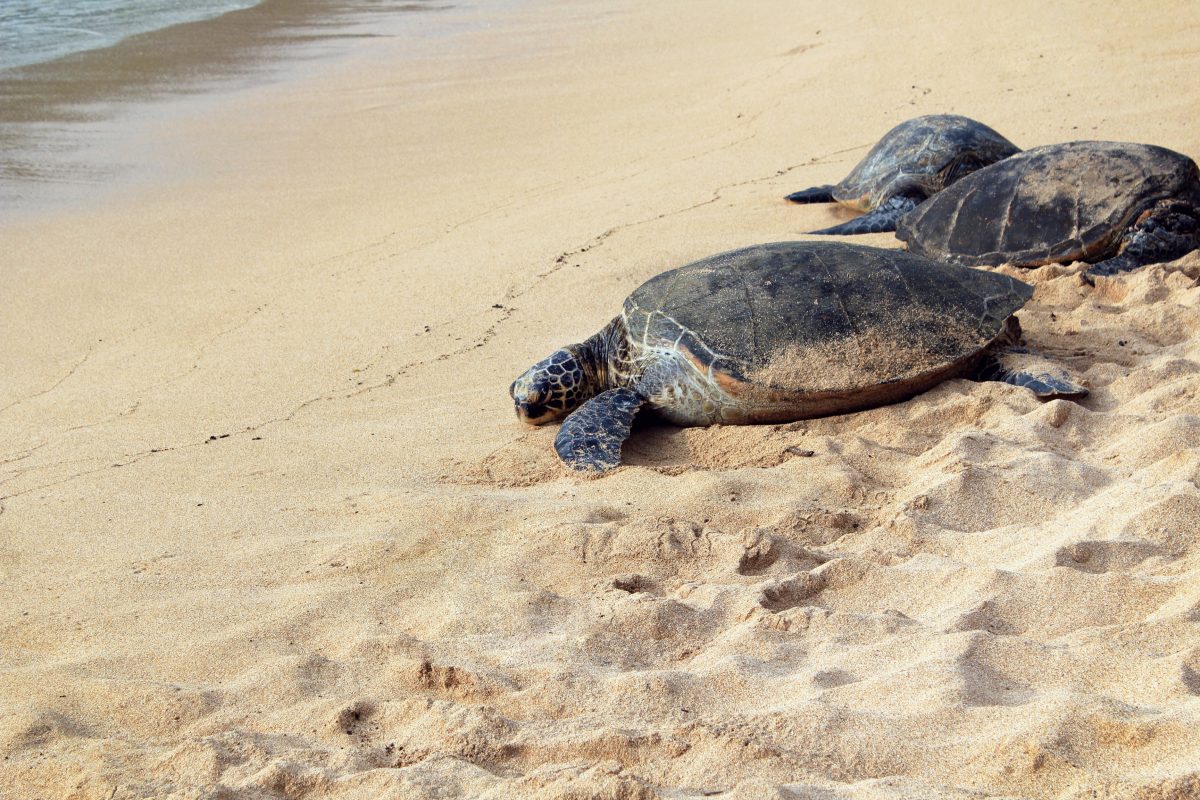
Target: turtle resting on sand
1116	205
913	161
780	332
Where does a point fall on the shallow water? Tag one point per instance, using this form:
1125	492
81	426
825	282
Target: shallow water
32	31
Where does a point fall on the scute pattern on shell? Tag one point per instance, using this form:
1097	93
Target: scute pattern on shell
914	154
816	317
1057	203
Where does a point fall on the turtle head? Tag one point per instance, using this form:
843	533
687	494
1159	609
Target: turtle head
551	388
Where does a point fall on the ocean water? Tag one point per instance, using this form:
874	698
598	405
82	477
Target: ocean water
32	31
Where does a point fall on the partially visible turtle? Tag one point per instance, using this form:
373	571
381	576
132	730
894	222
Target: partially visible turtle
913	161
1116	205
780	332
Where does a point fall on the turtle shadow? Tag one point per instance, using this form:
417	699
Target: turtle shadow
656	443
529	458
659	445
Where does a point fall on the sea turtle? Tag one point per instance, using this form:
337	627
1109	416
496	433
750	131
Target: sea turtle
914	160
780	332
1116	205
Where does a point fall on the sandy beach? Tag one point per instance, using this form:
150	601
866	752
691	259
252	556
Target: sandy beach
269	527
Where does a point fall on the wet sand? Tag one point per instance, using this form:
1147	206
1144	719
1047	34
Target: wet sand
269	527
65	124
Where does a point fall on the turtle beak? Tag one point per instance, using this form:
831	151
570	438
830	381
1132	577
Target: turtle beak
533	413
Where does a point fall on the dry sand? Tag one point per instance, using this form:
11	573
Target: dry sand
270	528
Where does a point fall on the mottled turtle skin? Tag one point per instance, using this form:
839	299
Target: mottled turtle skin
913	161
773	333
1117	205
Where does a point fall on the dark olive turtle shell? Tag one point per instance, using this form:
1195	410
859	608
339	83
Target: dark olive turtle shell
1058	203
816	317
924	155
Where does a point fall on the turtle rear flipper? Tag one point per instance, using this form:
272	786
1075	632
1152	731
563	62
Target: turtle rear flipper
880	220
1021	367
1170	230
814	194
591	437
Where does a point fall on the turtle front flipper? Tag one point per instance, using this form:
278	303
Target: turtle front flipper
591	437
1170	230
1021	367
880	220
814	194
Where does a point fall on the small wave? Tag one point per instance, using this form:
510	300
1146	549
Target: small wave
33	31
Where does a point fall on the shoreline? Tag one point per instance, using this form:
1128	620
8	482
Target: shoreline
64	123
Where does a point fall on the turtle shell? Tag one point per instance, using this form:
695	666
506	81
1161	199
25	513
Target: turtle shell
1058	203
925	154
807	328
